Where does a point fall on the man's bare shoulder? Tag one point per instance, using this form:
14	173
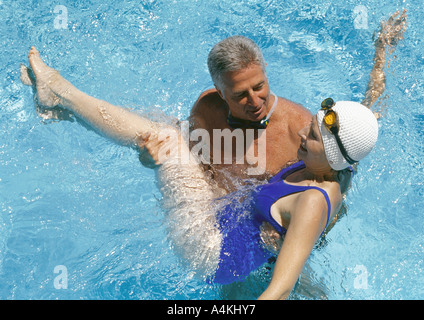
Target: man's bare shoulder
209	111
295	116
299	115
296	108
208	101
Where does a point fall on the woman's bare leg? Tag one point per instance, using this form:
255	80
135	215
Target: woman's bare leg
191	216
119	124
186	192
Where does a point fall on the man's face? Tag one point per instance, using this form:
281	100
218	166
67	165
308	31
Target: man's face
246	92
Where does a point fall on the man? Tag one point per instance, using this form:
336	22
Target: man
240	100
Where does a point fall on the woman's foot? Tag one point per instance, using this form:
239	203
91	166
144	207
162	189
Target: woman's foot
48	86
47	82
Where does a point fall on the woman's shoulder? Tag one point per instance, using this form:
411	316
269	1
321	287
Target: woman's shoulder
323	192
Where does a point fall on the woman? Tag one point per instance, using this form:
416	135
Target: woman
310	192
299	203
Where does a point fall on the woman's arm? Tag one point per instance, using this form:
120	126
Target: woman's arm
306	225
391	32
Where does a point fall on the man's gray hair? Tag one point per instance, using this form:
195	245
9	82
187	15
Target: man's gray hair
233	54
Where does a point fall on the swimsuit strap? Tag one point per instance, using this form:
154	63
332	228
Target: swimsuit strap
327	198
290	188
287	171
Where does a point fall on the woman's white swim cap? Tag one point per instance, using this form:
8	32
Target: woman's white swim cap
358	132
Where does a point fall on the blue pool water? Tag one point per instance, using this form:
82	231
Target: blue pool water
74	204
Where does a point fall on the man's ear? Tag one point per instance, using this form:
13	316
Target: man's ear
220	93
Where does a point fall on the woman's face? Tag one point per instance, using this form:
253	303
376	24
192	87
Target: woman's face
311	149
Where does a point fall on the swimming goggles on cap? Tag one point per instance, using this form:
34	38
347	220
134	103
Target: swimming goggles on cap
331	122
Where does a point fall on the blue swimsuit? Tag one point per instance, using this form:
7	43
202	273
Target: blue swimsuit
242	249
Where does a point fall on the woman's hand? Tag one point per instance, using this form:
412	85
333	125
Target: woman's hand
271	238
392	30
155	149
149	149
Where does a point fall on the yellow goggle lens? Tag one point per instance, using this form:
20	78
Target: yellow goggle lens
330	118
